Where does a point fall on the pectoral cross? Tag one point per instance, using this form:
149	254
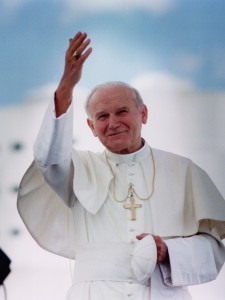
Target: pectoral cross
132	206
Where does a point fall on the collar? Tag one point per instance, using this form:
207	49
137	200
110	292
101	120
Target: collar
131	157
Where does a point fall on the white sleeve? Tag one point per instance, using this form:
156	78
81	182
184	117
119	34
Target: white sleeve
54	141
193	260
53	151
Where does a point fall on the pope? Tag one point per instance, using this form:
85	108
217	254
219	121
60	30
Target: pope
141	223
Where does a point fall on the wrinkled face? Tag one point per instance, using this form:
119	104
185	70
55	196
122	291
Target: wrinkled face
116	119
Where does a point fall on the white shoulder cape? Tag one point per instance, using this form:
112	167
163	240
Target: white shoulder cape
47	217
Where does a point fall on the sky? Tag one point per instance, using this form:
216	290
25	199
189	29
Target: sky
182	38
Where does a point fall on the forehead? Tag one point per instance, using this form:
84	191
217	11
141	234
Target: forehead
111	97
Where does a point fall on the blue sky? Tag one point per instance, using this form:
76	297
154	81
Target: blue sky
183	38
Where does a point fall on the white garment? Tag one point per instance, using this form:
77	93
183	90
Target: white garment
180	207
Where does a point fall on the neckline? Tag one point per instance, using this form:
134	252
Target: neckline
131	157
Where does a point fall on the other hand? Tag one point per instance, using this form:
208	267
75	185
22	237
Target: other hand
162	251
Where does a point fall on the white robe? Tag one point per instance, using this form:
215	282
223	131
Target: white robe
185	203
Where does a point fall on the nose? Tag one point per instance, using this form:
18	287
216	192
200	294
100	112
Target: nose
113	122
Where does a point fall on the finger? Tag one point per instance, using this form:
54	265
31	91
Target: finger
79	51
75	37
141	236
157	240
83	46
72	44
162	252
77	42
85	55
77	45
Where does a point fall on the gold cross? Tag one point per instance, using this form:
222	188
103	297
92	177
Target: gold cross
132	206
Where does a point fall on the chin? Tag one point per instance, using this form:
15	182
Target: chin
118	144
119	149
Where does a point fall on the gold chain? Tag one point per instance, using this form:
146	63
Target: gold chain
131	189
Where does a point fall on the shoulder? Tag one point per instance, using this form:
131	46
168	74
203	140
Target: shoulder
170	156
85	154
88	157
172	161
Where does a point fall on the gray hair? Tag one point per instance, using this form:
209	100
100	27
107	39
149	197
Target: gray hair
135	92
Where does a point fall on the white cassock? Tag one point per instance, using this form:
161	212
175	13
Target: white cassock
186	210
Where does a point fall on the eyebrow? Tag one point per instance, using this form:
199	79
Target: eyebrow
100	113
123	107
103	112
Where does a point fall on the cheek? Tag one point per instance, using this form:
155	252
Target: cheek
100	129
136	128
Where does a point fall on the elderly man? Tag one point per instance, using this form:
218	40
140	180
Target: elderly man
140	222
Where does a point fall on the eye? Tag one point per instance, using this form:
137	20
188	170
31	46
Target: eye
122	112
102	117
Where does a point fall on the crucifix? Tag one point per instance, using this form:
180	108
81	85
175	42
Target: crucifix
132	206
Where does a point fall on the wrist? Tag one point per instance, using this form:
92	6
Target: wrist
62	99
64	92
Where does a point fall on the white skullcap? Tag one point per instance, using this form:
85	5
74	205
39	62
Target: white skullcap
144	258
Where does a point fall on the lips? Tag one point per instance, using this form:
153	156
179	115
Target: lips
115	133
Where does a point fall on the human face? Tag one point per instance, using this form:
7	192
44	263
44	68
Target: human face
116	119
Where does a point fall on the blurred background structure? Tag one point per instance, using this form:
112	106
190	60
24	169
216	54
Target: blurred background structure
173	51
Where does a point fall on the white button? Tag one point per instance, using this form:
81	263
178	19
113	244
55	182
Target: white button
132	241
131	229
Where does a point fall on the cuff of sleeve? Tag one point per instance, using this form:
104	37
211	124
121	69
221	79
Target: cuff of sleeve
191	262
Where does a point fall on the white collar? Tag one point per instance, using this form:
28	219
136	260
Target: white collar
131	157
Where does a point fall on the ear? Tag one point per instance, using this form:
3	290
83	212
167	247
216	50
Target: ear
91	125
144	113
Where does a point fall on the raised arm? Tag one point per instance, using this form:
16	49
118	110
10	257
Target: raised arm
76	55
53	146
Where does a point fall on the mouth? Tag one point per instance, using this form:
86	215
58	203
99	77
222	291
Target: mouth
115	133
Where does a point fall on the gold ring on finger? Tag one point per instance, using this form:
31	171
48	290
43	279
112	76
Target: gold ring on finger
76	55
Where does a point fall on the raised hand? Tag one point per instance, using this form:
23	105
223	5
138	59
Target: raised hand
76	55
